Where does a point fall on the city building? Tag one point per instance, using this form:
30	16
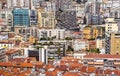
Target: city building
45	33
112	43
92	7
26	32
107	43
80	44
33	17
56	51
92	45
18	3
79	8
46	19
40	54
102	60
64	4
92	32
3	17
2	54
48	5
68	19
111	25
94	19
11	53
21	17
7	44
115	43
100	43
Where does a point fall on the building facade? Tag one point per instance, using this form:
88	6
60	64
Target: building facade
21	17
115	43
46	19
45	33
2	55
111	25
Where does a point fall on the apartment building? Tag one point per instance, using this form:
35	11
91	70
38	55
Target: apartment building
44	33
46	19
2	54
111	25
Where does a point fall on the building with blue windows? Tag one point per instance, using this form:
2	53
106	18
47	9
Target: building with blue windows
21	17
33	17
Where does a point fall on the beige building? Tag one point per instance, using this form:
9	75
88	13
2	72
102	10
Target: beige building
46	19
115	43
111	25
100	43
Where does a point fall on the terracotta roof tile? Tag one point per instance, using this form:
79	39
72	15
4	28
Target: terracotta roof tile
83	69
101	56
107	71
71	74
91	69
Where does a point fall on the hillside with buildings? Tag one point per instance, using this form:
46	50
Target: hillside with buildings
59	37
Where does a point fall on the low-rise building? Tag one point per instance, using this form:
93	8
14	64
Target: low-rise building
102	60
11	53
80	44
100	43
7	44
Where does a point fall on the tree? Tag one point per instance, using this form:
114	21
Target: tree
52	38
70	49
68	38
97	50
58	52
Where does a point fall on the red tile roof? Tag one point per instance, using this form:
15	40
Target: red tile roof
101	56
71	74
11	51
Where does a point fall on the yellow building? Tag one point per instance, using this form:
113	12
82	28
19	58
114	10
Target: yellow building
46	19
87	32
92	32
115	43
32	39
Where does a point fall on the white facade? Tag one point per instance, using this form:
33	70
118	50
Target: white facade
100	43
59	33
43	55
6	45
111	25
79	55
79	8
18	3
80	45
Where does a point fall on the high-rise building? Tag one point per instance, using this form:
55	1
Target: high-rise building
33	17
63	4
46	19
68	19
21	17
18	3
115	43
94	19
92	7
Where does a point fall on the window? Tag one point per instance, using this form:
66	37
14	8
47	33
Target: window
58	34
3	16
50	33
